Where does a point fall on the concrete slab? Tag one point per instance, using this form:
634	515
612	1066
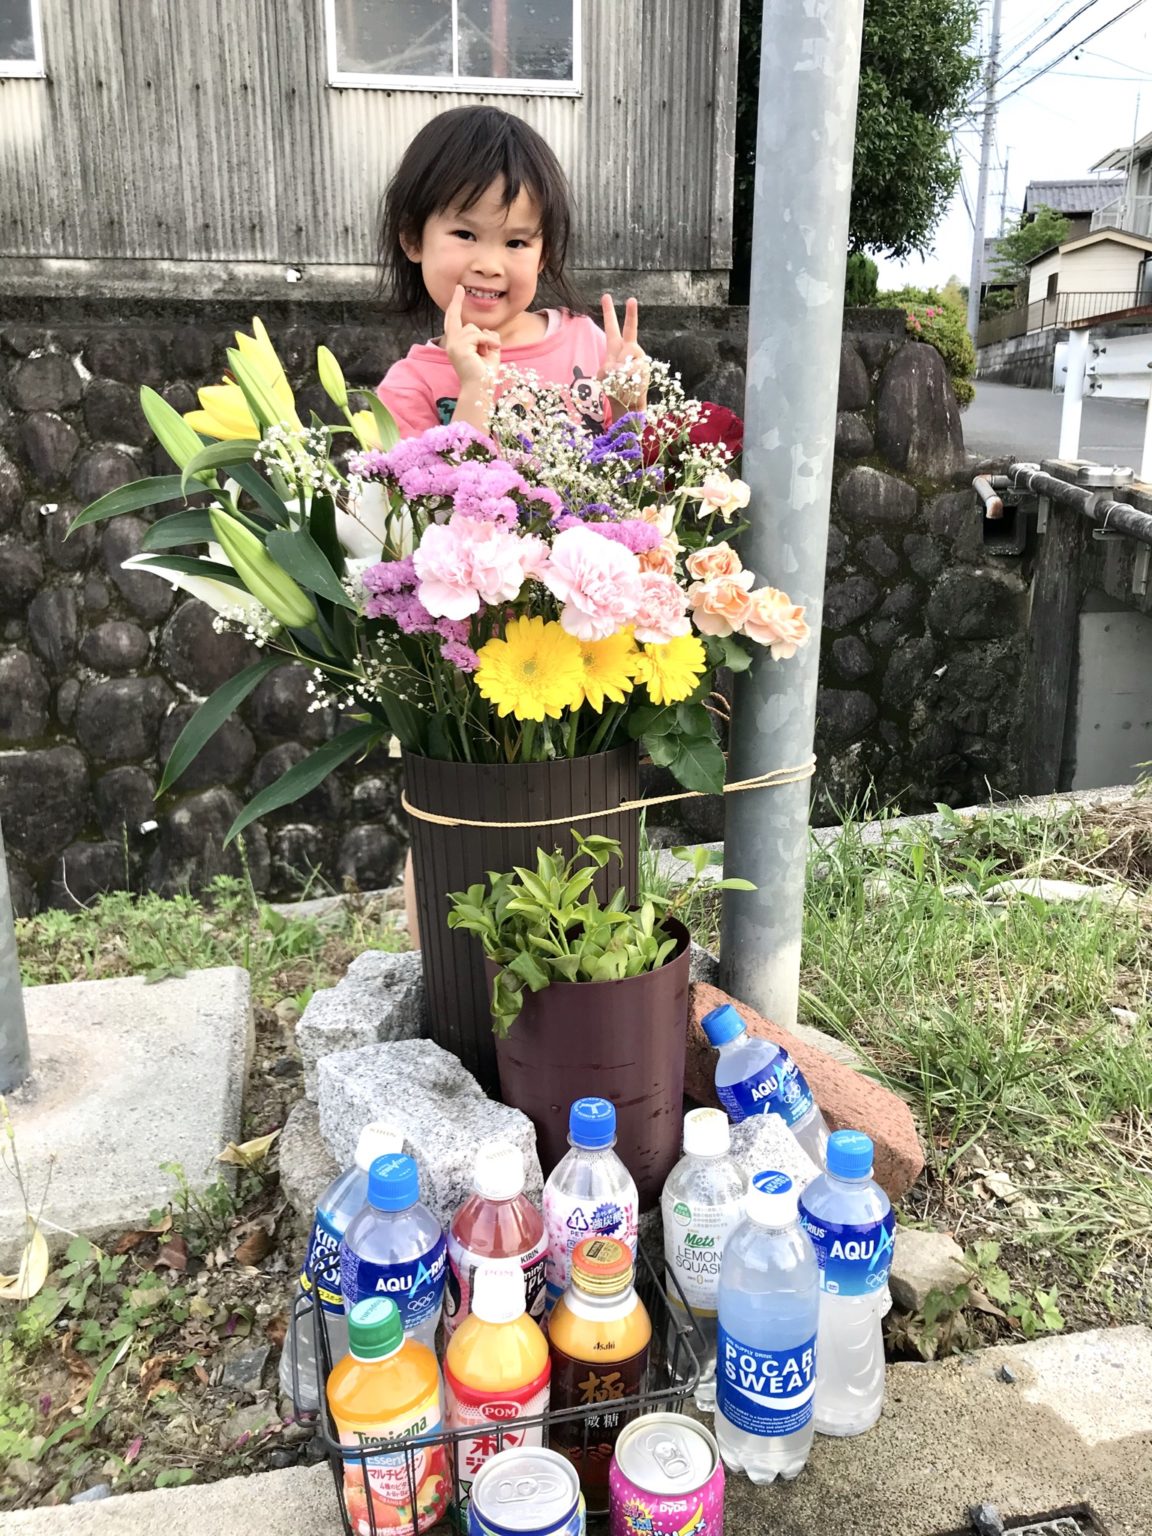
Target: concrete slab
125	1076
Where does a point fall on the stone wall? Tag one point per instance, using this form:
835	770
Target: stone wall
1026	361
100	668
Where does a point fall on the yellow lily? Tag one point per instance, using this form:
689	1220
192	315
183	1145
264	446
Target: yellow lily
366	430
224	412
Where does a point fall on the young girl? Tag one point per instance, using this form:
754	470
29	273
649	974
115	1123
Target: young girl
477	213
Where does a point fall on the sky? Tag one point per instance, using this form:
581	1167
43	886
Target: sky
1056	126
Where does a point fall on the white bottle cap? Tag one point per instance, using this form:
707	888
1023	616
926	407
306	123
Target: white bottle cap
498	1173
706	1133
772	1200
377	1139
498	1291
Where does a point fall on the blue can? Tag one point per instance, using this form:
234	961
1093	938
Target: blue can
526	1492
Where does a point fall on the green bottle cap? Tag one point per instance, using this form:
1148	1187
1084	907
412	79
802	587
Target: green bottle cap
374	1328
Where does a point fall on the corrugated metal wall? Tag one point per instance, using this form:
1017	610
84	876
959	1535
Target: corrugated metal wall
205	130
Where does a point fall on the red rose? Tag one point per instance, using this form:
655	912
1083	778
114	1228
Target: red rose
717	424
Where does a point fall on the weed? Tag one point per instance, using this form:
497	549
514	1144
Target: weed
950	1320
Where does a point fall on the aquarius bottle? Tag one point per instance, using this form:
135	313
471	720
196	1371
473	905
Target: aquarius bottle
395	1247
766	1338
702	1203
757	1077
388	1388
341	1201
589	1193
850	1222
497	1222
496	1372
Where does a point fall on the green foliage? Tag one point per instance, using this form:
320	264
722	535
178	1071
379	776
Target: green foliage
943	324
1027	241
948	1324
861	280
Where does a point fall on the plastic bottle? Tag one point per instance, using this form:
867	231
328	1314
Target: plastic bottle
388	1387
589	1193
497	1222
766	1340
703	1201
599	1338
395	1247
758	1077
850	1222
343	1199
496	1370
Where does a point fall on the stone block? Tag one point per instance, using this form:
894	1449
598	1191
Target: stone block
853	436
876	553
191	852
85	871
837	548
298	852
67	698
21	572
854	391
923	1262
908	672
110	1061
48	382
851	657
703	966
225	758
23	698
146	594
115	646
725	386
428	1095
975	605
371	857
118	719
867	495
50	444
307	1167
130	355
375	798
848	1100
53	626
903	602
848	600
380	998
955	516
765	1144
70	552
11	491
112	414
925	555
843	715
124	801
101	470
917	419
279	707
324	803
196	656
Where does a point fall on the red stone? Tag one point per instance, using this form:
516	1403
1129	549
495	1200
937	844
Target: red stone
848	1100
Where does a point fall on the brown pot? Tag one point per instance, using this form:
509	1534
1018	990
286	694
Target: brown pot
618	1040
452	858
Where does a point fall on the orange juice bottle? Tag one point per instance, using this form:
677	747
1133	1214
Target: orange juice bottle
496	1370
385	1388
598	1336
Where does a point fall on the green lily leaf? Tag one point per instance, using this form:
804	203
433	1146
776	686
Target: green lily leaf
211	716
306	774
218	456
297	553
131	498
191	527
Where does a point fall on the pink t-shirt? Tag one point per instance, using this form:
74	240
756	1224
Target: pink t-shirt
421	389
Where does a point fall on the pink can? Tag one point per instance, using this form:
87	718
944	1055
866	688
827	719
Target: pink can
666	1479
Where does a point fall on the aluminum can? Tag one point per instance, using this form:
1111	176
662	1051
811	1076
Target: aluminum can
666	1479
526	1492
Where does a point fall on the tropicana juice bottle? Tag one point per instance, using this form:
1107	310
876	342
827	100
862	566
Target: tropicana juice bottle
496	1371
387	1388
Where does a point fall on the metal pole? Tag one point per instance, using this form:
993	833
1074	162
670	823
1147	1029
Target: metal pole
1004	194
1146	454
809	74
15	1062
1073	406
976	277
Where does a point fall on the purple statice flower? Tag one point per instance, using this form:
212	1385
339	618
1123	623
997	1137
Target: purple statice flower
462	657
483	492
390	576
405	610
551	499
620	441
459	630
632	532
368	464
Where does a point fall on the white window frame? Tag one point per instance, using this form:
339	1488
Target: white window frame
481	85
33	68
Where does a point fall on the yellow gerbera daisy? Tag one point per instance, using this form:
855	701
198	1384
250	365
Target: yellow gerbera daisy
224	412
606	670
533	672
671	672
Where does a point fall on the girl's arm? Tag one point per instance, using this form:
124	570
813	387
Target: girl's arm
475	355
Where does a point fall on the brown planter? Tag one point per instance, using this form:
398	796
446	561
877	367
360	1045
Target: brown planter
618	1040
452	858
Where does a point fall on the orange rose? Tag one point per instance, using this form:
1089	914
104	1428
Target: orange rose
719	607
774	620
662	559
712	564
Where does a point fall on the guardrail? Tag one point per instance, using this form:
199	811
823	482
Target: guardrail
1062	309
1131	214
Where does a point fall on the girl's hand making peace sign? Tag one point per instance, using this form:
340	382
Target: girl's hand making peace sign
475	355
625	363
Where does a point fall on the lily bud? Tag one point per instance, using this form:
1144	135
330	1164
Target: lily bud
332	378
283	597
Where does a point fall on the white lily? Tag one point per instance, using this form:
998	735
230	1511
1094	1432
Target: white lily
363	529
233	601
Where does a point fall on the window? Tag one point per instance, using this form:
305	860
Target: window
1053	280
21	51
510	46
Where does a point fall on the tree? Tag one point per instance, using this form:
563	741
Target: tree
917	70
861	280
1028	240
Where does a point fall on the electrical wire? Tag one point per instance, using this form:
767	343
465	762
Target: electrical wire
1056	31
1039	27
1136	4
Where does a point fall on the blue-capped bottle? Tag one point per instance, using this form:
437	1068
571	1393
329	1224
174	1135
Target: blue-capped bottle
849	1219
766	1336
589	1193
396	1248
757	1077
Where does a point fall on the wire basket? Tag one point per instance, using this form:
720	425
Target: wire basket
673	1372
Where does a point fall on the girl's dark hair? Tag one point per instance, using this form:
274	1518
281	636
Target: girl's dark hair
451	163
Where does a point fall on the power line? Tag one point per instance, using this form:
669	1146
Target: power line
1039	27
1075	46
1056	31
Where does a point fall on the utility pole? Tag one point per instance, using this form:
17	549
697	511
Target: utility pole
15	1063
805	133
980	212
1004	195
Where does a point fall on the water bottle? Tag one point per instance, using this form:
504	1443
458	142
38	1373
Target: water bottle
766	1339
343	1199
395	1247
850	1221
589	1193
757	1077
703	1201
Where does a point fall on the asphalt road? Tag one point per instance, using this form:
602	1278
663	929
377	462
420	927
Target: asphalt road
1026	424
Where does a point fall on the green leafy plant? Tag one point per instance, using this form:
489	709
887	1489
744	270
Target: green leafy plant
548	924
947	1324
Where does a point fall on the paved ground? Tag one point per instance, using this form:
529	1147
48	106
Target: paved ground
1026	423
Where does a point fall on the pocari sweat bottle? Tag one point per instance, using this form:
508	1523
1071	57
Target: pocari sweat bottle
766	1338
396	1248
343	1199
589	1193
757	1077
702	1202
850	1221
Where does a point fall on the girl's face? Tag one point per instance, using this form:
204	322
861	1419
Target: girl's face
495	252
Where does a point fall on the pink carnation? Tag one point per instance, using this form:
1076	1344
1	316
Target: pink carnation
661	615
774	620
597	581
463	564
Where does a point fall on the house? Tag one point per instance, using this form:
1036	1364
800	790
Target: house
1131	208
1103	273
224	147
1076	199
